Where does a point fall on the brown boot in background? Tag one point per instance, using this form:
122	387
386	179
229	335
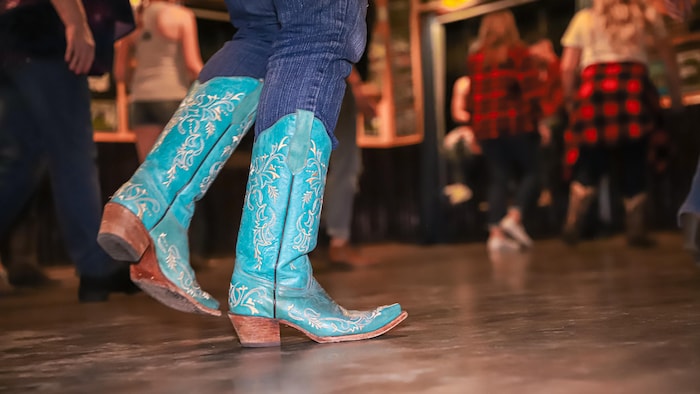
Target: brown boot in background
5	286
580	199
341	255
635	222
22	257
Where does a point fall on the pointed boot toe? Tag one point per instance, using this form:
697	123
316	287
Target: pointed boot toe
378	321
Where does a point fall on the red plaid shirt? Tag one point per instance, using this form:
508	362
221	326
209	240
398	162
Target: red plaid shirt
615	102
504	100
552	98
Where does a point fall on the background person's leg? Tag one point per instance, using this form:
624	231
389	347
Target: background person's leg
20	150
498	165
691	204
343	173
592	163
634	174
60	102
689	217
21	164
60	105
20	252
341	187
522	149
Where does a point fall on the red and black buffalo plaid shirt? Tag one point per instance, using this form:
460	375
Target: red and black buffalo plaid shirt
615	102
552	98
504	99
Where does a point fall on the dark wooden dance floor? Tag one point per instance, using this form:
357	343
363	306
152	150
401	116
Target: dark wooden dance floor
597	319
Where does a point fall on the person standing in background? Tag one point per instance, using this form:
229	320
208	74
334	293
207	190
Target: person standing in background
47	49
166	59
504	105
616	106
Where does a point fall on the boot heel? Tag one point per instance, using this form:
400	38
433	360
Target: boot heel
256	331
122	234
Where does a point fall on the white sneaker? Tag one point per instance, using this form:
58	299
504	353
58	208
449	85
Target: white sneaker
516	231
458	193
499	244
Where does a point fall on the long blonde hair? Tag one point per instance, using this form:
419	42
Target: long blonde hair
497	31
628	23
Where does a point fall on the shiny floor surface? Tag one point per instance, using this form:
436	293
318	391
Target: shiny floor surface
597	319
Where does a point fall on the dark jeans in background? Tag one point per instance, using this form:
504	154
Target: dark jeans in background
508	158
45	125
628	157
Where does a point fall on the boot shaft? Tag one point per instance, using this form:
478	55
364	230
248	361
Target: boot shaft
176	164
147	220
282	208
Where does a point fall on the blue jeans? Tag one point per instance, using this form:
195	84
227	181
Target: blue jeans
45	123
506	158
692	200
343	173
302	49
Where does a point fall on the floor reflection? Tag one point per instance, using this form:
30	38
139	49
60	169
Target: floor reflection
509	269
599	317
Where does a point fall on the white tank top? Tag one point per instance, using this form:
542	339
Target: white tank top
160	72
587	33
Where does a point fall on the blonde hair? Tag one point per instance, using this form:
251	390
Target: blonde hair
627	23
497	30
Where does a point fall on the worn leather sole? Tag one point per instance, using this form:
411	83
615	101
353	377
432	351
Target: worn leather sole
123	236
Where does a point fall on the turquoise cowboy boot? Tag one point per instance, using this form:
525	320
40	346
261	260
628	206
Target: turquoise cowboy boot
273	281
147	219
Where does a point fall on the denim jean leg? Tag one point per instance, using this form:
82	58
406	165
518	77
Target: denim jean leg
247	54
343	174
317	43
524	151
692	200
60	103
20	151
499	174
